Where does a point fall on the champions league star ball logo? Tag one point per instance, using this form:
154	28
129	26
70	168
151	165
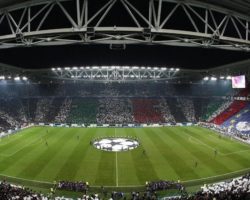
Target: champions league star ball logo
116	144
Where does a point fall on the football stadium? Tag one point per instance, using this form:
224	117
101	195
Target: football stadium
124	99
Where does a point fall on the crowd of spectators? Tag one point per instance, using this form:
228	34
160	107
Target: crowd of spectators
113	111
235	189
147	111
63	111
12	192
227	131
238	188
78	186
42	109
167	115
187	106
223	107
163	185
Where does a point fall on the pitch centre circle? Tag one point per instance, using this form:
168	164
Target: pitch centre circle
116	144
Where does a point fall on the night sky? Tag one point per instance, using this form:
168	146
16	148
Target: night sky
149	55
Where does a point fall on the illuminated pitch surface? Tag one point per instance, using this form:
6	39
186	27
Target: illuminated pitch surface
164	153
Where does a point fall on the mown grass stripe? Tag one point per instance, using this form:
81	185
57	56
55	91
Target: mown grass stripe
10	144
106	166
174	158
156	155
55	144
207	163
144	167
234	161
10	164
74	153
98	167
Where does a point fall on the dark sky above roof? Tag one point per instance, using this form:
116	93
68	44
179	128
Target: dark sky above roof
82	55
242	6
195	58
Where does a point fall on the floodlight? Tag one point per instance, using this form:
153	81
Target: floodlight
25	78
229	77
206	78
213	79
17	78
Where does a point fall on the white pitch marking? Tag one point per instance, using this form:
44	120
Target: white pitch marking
226	154
29	144
202	143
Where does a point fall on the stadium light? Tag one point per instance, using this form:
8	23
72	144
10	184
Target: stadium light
53	69
2	77
59	69
172	69
17	78
229	77
222	77
25	78
206	78
177	69
213	79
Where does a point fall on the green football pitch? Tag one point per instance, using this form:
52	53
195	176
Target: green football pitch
46	154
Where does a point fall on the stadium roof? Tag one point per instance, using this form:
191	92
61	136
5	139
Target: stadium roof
241	6
183	57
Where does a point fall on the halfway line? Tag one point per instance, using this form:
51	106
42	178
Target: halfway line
116	166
